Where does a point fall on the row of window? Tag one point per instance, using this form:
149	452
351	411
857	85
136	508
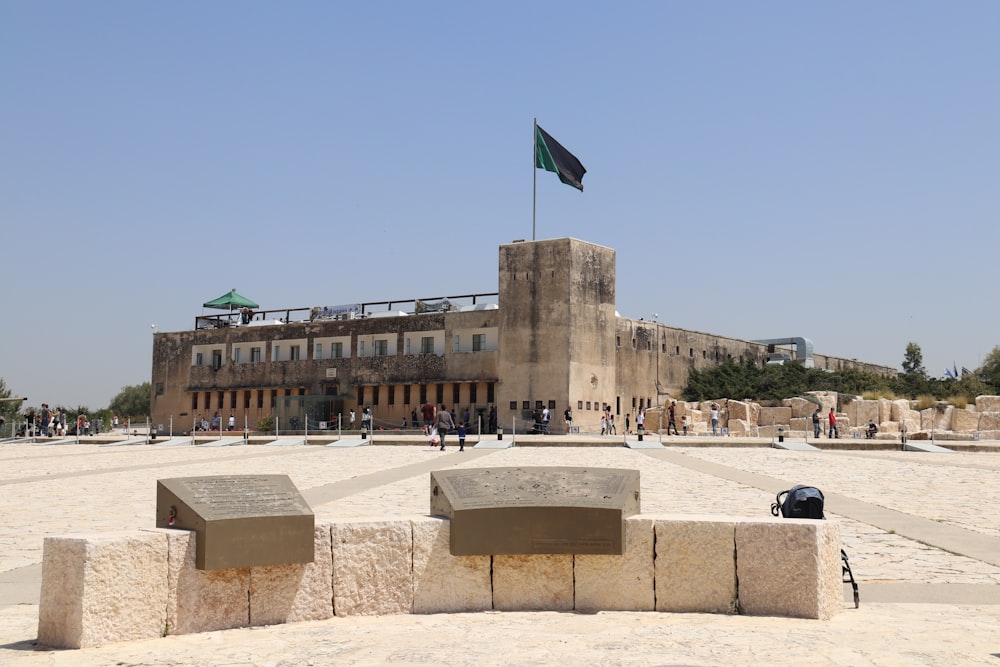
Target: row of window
332	350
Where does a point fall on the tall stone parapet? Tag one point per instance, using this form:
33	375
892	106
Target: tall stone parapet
863	411
827	399
801	407
987	403
965	421
900	410
989	421
884	410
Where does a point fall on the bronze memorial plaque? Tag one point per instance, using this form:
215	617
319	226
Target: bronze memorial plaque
239	520
543	510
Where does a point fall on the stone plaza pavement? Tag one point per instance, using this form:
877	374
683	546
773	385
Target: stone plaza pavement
922	531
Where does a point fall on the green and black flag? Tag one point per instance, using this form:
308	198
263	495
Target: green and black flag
551	156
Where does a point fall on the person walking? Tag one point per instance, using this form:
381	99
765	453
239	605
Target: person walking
46	418
817	424
640	420
832	418
427	412
672	418
444	423
461	437
714	415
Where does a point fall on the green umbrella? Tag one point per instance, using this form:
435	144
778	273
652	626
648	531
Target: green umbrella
230	300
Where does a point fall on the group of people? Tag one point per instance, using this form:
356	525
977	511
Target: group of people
438	422
48	422
831	418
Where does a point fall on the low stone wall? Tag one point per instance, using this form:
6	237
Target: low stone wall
744	418
112	587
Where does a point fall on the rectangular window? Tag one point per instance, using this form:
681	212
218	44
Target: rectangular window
198	359
208	400
423	394
277	353
232	399
194	400
406	394
392	394
440	394
293	353
490	393
254	355
406	345
478	342
222	395
455	395
260	399
159	389
216	359
246	400
319	351
337	351
455	344
381	347
375	395
361	348
236	355
427	345
473	391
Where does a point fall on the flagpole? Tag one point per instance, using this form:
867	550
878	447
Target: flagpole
534	175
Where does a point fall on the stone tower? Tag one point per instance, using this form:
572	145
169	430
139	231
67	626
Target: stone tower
556	328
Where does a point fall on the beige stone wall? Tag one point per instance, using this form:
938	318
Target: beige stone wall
113	587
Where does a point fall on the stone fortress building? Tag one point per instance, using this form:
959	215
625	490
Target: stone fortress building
549	337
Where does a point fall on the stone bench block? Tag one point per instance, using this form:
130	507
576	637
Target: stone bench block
789	567
537	582
296	591
695	564
203	600
372	563
443	583
619	583
101	588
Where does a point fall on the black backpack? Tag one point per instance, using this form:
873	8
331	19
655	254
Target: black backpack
801	502
806	502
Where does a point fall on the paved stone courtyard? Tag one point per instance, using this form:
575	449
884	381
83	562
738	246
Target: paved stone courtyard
922	531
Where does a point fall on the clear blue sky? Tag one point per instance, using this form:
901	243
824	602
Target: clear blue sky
827	170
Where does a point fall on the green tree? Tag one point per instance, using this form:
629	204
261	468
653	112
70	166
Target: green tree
8	409
132	401
914	381
989	372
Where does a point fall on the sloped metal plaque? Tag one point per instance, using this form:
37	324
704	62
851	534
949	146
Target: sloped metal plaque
536	510
239	520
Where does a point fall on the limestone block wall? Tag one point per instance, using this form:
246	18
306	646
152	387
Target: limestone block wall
794	417
103	588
